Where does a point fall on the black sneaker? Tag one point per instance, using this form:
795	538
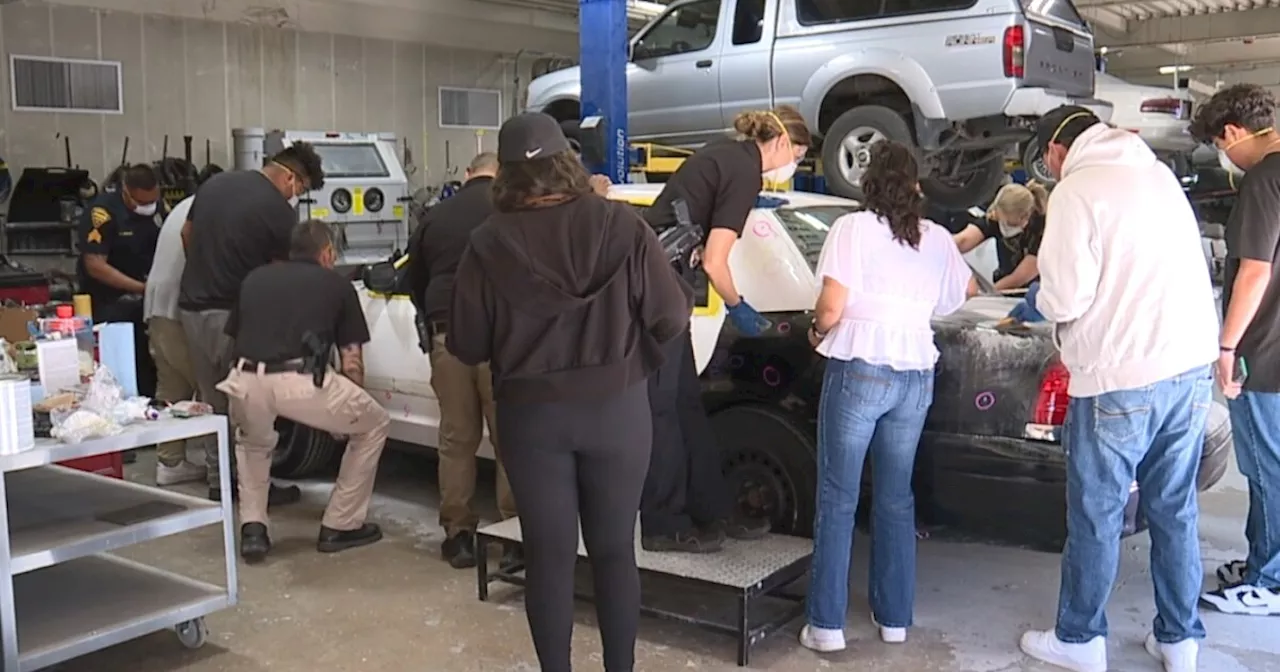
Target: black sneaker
278	495
743	528
512	557
685	541
254	542
332	541
460	550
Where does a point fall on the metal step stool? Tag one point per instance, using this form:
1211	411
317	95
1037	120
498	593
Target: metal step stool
750	570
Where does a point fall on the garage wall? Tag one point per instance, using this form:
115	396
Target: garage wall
203	78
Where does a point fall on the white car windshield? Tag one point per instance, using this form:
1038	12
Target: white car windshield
808	227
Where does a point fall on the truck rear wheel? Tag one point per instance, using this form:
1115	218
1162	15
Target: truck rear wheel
303	451
846	152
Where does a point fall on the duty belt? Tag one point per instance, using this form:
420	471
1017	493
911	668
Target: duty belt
287	366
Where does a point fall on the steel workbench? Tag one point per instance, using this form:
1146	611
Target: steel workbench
62	594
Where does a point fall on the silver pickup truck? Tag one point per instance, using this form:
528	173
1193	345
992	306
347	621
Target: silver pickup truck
961	80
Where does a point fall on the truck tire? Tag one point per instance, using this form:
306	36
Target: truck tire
845	151
769	465
846	148
1033	163
1219	447
302	451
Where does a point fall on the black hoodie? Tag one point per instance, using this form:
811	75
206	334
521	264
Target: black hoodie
566	302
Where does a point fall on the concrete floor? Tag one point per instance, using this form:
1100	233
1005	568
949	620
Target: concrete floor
397	607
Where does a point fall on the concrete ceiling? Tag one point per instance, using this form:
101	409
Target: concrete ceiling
1220	41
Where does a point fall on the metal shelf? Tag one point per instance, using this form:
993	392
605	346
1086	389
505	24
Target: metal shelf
80	606
49	451
58	514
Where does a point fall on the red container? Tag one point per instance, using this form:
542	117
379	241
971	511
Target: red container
110	464
30	289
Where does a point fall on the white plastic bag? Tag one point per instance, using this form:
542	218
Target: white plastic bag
77	425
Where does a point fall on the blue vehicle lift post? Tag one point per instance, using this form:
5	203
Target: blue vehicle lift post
603	47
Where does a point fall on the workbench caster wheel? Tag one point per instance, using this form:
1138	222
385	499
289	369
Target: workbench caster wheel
193	633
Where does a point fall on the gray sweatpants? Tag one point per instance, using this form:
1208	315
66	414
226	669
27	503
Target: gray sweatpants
210	351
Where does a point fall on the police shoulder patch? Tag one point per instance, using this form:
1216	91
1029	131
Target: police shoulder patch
94	237
99	216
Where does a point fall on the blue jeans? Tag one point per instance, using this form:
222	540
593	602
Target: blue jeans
877	409
1255	427
1155	435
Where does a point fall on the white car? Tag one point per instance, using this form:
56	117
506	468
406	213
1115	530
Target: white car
1160	115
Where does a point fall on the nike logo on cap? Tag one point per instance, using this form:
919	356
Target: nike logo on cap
532	153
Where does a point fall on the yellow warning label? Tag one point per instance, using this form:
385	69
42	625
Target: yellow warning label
99	216
319	213
357	201
397	211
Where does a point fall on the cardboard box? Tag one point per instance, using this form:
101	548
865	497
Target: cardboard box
13	323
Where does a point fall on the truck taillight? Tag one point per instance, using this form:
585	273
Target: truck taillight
1014	43
1052	400
1173	106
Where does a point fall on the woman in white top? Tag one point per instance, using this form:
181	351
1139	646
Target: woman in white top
885	273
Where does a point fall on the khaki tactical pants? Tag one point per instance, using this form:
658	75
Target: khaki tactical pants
340	407
174	380
465	394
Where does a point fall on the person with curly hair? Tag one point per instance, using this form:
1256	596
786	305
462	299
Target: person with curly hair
239	220
1124	282
885	273
1240	122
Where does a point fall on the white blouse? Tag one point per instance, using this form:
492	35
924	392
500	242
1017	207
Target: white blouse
894	291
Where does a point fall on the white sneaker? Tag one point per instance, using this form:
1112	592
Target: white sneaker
185	472
1232	573
1244	599
822	640
1044	645
889	635
1180	657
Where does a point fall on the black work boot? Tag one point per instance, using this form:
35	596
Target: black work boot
512	557
460	550
278	495
332	541
685	541
742	528
254	542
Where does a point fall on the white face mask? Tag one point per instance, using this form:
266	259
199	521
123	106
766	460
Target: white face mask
1227	164
1009	231
783	174
146	210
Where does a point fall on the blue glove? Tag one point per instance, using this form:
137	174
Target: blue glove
1026	310
747	320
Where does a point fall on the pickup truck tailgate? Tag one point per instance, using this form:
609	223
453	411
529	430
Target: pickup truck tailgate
1058	58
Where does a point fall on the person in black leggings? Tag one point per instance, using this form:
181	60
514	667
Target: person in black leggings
571	300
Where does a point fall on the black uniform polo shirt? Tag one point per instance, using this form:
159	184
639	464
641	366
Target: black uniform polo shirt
1012	250
280	303
239	221
720	182
128	240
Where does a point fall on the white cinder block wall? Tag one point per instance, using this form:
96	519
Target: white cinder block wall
184	76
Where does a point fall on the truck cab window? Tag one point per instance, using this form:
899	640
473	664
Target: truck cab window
748	22
687	29
813	12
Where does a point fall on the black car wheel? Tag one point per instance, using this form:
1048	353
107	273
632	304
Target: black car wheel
1218	447
769	464
302	451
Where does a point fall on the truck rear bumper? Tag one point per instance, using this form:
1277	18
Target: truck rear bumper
1038	102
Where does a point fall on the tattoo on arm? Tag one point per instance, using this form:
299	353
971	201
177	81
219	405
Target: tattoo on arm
353	363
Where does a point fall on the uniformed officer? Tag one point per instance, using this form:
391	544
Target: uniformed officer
687	505
117	239
288	318
465	392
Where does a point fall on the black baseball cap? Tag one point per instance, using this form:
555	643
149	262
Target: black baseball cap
531	136
1063	124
